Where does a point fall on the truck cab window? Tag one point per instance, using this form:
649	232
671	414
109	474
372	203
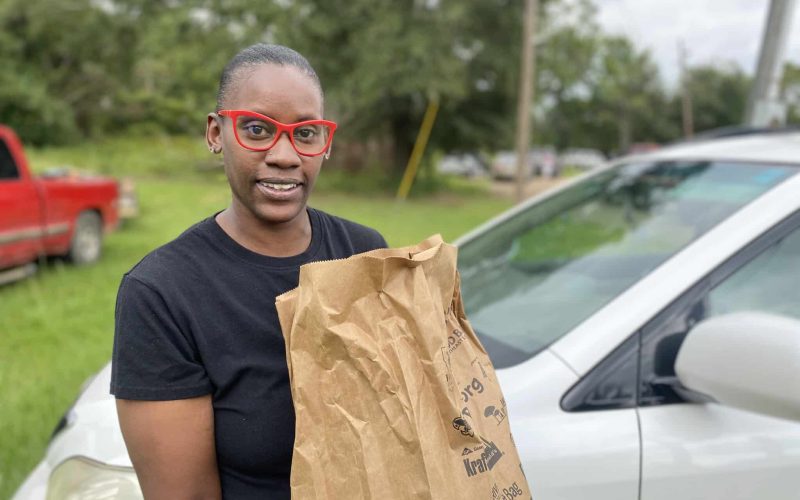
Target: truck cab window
8	169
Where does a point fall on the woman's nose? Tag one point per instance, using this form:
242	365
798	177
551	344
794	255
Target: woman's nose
283	154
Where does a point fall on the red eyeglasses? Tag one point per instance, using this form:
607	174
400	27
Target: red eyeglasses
257	132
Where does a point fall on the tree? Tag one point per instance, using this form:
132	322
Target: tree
627	89
380	62
63	63
179	51
614	100
81	68
791	93
565	60
719	95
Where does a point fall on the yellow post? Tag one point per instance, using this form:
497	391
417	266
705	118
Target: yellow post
419	149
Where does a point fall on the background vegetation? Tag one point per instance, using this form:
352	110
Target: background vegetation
78	69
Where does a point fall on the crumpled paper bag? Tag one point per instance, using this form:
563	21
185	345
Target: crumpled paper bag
394	395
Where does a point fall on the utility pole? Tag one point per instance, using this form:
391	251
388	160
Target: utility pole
525	96
764	107
686	96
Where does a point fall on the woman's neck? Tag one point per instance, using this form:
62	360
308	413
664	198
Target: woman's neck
285	239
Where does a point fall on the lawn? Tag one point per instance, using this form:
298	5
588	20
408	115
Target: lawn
57	327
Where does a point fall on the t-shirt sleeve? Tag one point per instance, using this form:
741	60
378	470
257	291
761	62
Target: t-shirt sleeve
377	240
152	359
365	238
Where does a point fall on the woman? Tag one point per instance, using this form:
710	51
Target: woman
199	366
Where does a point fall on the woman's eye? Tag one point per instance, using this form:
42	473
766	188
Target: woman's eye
305	133
258	130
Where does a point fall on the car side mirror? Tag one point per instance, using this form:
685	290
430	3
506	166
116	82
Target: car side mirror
747	360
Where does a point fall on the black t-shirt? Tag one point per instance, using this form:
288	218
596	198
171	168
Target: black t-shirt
197	316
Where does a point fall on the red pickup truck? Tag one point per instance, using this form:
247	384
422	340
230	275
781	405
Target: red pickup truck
49	216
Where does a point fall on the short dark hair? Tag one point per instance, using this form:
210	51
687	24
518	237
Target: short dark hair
262	53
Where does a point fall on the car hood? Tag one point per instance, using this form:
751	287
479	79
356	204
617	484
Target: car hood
93	415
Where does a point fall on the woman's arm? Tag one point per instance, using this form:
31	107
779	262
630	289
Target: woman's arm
171	445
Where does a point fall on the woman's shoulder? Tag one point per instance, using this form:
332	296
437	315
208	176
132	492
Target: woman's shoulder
346	232
173	259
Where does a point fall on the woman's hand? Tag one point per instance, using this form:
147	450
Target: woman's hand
171	445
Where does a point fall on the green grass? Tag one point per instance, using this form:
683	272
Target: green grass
163	156
185	157
56	328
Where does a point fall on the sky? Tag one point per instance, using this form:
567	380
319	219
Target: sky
713	31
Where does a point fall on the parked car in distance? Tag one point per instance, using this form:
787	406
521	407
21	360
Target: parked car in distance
643	319
642	147
581	159
463	164
540	161
53	215
504	166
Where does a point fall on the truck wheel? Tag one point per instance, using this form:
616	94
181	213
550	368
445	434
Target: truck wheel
87	239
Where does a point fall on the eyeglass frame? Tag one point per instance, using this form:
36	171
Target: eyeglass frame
289	128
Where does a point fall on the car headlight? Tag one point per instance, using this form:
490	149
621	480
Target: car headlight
80	478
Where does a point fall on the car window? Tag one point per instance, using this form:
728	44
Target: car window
8	169
769	283
531	279
761	277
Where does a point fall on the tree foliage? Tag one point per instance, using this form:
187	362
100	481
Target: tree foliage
719	96
617	100
791	92
83	68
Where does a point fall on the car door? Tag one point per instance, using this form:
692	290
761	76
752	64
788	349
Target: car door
20	223
578	439
704	450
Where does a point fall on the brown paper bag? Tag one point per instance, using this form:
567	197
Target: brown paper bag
395	396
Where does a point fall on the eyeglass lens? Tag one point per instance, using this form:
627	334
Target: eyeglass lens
260	134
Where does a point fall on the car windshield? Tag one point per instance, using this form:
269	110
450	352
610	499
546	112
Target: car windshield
531	279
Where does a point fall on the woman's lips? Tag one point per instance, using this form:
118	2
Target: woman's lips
283	190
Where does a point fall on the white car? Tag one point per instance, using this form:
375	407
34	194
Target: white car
645	323
581	158
541	161
464	164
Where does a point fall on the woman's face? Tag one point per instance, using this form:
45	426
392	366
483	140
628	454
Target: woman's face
285	94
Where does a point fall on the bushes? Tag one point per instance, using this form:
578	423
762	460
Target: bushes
38	116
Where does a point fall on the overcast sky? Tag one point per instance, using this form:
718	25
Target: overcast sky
714	31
